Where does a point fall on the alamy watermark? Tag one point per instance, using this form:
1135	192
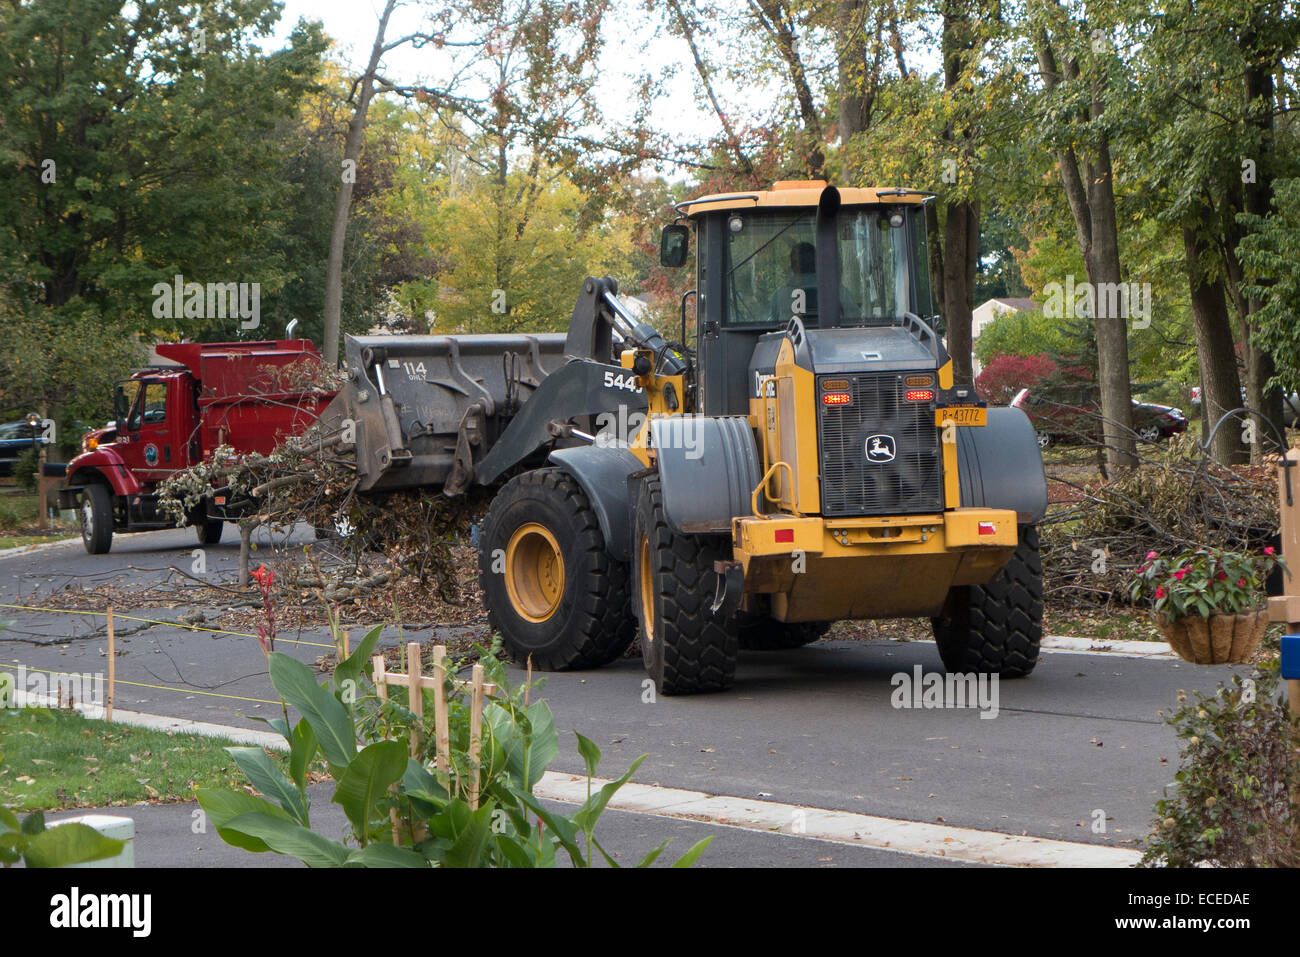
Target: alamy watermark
1103	300
933	690
620	428
214	300
36	687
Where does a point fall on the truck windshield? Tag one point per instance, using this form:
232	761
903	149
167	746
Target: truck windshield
124	397
772	272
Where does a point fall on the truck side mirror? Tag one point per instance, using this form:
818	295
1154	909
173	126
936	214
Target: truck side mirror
674	242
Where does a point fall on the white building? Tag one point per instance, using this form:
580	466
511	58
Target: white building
986	312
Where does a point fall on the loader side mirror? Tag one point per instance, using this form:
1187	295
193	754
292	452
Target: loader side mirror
674	242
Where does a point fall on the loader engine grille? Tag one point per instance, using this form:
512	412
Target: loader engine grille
879	452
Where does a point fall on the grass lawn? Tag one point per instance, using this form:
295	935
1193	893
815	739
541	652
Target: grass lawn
19	513
51	759
18	541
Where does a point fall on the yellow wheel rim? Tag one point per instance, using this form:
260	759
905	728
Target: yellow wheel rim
534	572
647	590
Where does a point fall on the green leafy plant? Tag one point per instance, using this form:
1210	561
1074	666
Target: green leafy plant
1238	797
404	811
1204	581
25	467
36	845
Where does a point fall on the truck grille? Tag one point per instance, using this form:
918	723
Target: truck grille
879	420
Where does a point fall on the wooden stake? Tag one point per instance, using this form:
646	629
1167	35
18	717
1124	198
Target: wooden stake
414	672
440	709
112	668
379	676
475	732
347	650
1293	695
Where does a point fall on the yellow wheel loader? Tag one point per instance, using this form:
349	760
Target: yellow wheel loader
810	460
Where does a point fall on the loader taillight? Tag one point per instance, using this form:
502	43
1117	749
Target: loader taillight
784	535
987	528
919	395
836	398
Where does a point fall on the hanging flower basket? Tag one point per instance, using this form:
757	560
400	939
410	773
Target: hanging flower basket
1221	639
1207	603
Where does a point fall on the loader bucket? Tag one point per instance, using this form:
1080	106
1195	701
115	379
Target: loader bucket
426	408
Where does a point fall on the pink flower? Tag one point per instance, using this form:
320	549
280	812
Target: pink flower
1241	582
1269	550
1180	573
1151	555
1160	591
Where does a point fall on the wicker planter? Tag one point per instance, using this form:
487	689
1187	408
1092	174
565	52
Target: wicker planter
1221	639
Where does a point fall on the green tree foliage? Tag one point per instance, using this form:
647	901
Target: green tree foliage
517	252
141	143
1021	334
1271	253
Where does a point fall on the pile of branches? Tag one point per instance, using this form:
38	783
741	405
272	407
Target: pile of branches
312	478
1092	545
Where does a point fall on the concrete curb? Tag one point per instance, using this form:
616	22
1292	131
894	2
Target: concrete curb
841	827
27	549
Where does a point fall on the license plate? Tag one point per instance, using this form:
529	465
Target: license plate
962	415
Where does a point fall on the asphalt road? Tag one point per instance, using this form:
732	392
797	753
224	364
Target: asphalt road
814	726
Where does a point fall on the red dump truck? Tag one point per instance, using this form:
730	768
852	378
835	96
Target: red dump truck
246	395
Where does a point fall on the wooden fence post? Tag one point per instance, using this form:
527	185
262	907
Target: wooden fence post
475	732
112	668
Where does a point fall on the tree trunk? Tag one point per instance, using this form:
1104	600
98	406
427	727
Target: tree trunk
343	201
1091	196
1220	384
775	18
960	250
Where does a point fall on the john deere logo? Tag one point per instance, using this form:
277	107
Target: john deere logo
151	454
881	448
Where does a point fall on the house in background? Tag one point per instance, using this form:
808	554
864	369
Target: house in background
986	312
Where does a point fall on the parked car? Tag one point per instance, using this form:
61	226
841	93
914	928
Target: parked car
1290	405
15	439
1071	415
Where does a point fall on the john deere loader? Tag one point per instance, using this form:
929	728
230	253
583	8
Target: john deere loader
809	460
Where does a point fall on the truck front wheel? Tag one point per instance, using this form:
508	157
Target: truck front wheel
686	647
96	518
551	589
209	531
996	628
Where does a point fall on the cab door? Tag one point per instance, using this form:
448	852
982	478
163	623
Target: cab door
146	442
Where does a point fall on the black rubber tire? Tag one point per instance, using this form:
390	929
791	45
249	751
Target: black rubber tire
996	628
209	532
592	624
98	536
687	649
768	634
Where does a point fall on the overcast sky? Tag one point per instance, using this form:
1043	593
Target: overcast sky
633	44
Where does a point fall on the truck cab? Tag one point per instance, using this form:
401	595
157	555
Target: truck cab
246	395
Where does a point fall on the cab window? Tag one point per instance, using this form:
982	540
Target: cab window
771	268
149	407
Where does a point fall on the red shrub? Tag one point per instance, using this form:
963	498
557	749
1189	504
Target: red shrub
1006	375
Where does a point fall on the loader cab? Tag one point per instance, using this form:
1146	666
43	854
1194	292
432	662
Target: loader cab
756	260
